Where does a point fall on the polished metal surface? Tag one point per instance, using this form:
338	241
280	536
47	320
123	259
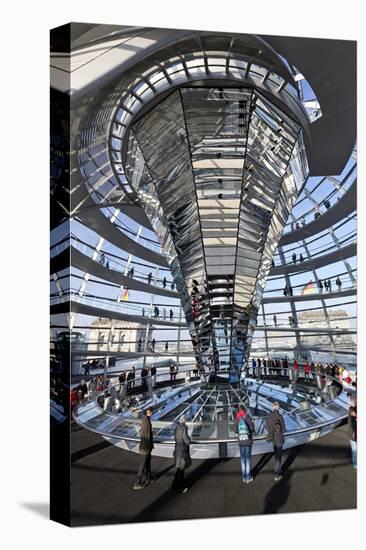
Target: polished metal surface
311	408
218	170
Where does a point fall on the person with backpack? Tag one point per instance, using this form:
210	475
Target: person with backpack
244	429
276	428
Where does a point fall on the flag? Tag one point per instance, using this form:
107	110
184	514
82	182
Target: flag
124	294
309	288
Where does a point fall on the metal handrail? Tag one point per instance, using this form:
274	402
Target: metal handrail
160	424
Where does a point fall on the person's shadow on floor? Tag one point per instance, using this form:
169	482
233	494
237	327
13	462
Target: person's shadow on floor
261	463
278	495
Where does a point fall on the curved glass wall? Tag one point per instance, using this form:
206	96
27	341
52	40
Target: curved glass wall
309	302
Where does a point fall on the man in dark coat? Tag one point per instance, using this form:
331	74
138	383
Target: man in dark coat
144	374
181	455
82	389
244	428
145	448
276	428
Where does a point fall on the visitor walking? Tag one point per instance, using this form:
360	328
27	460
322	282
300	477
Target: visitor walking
171	315
181	455
339	283
145	448
149	277
352	433
276	428
244	429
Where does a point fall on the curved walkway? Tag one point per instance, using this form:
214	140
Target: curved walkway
318	261
316	296
344	207
94	219
85	263
93	311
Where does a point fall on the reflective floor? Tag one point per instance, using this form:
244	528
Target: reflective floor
318	476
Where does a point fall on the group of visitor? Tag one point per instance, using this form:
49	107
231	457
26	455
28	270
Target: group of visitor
327	284
164	315
244	429
164	281
308	370
182	457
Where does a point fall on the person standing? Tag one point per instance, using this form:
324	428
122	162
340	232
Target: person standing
129	380
153	376
145	448
295	371
307	371
171	315
175	372
352	433
276	428
144	374
339	284
275	319
122	380
139	344
244	429
181	455
259	369
254	365
82	388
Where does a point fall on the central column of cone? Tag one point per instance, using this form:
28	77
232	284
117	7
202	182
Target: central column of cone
222	169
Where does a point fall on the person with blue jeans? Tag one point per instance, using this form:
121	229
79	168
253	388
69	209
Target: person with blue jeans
352	433
244	429
276	429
